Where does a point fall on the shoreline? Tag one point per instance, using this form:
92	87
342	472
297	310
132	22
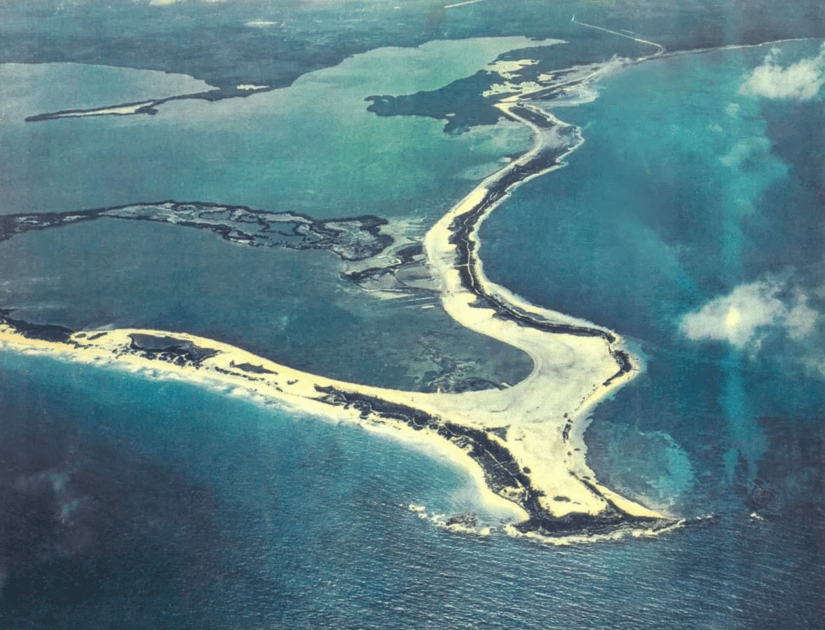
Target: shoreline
459	426
523	445
565	351
406	416
227	370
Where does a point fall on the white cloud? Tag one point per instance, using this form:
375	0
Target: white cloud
747	315
801	319
736	317
799	81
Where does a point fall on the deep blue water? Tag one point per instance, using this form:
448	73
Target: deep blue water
672	223
133	503
157	504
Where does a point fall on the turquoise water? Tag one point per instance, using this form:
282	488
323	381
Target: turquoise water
138	503
312	148
309	148
674	191
180	508
683	195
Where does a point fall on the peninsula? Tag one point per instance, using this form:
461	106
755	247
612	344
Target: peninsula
524	442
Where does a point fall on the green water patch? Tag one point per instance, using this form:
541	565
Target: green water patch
30	89
310	148
285	305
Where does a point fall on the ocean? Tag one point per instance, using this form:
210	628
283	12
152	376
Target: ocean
684	223
159	504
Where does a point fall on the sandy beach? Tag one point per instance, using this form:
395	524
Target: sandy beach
523	444
233	371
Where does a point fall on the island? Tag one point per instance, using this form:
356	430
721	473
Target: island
523	443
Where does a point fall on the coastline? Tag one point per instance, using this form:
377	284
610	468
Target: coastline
228	370
570	356
522	444
462	427
232	371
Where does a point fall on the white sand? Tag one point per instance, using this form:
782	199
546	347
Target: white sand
118	110
288	387
568	378
566	382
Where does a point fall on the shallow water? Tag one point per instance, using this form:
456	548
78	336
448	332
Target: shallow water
312	148
156	504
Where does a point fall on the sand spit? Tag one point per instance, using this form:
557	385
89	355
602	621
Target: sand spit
125	109
576	363
229	370
149	107
525	442
469	428
629	35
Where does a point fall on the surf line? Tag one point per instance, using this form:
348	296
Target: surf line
526	479
460	4
524	444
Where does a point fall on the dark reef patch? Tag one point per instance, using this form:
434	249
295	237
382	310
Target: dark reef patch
255	369
169	348
351	239
463	105
460	103
44	332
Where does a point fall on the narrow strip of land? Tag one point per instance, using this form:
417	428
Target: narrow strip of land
627	34
524	442
460	4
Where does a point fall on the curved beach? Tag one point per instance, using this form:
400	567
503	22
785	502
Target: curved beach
524	442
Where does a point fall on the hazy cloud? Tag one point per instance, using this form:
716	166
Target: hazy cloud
751	312
801	319
736	317
799	81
